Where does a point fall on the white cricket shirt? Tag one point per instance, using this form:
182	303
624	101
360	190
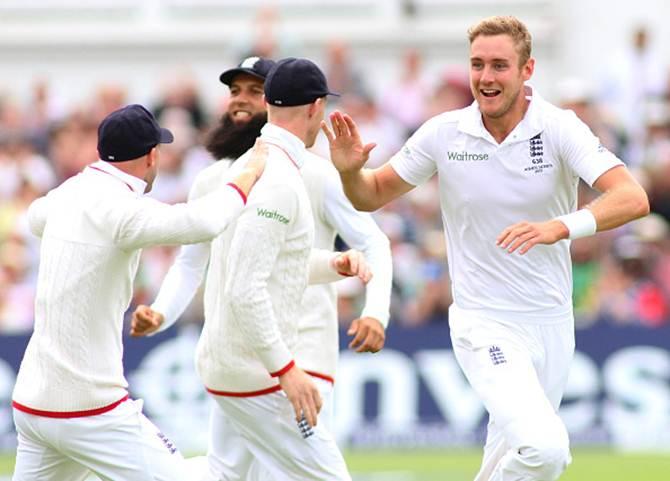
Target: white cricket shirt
485	187
93	227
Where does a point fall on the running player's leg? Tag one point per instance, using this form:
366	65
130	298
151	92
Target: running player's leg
123	444
228	457
494	449
258	471
498	360
286	450
559	345
36	459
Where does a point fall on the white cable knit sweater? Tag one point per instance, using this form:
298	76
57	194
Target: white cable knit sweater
93	227
251	323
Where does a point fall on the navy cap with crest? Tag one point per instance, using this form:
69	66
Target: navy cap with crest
129	133
295	81
255	66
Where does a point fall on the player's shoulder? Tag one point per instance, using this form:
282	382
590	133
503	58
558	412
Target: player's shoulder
450	117
209	178
318	165
215	169
553	116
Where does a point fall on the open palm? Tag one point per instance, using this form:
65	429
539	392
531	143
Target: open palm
347	151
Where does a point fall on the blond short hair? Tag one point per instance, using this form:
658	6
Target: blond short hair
505	25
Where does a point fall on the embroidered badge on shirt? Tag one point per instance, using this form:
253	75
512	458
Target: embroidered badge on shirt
497	356
536	149
536	153
168	444
305	429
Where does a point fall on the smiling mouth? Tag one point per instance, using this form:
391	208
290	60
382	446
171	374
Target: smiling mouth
241	115
489	92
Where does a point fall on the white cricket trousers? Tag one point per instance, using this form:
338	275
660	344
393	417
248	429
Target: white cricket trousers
257	439
519	370
119	445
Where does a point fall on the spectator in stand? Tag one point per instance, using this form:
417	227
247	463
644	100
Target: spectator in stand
340	71
628	292
577	95
405	100
17	288
633	78
373	124
73	144
451	93
181	91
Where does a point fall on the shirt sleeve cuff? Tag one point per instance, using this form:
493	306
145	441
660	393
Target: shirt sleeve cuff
168	322
321	267
276	358
239	191
283	370
382	318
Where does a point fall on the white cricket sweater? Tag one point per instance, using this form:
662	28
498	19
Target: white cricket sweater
93	227
318	348
257	276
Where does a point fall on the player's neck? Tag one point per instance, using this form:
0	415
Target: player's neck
501	127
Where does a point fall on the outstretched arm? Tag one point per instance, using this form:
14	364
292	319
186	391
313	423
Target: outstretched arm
177	291
144	222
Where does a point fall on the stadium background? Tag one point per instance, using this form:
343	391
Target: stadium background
67	63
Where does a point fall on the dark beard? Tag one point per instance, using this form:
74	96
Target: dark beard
229	140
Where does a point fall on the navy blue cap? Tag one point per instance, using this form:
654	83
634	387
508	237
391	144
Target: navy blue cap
255	66
129	133
295	81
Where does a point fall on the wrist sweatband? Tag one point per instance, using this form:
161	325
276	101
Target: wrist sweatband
580	224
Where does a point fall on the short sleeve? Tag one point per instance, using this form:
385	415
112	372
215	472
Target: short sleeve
415	162
583	152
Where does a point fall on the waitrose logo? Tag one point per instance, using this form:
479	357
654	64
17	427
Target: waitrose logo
274	215
466	156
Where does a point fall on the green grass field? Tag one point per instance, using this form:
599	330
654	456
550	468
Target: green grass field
588	465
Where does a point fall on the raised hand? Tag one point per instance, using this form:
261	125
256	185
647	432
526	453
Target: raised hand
347	151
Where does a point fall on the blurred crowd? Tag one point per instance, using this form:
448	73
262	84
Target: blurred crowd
620	277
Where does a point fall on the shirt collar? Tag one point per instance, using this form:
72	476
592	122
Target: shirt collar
292	145
531	124
135	184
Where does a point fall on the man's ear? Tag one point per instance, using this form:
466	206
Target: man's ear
315	106
151	157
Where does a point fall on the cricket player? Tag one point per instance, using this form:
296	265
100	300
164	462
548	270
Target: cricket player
318	348
72	411
245	356
508	168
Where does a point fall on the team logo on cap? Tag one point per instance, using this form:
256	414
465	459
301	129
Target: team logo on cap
249	62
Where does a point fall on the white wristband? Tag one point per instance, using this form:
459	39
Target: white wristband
580	224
